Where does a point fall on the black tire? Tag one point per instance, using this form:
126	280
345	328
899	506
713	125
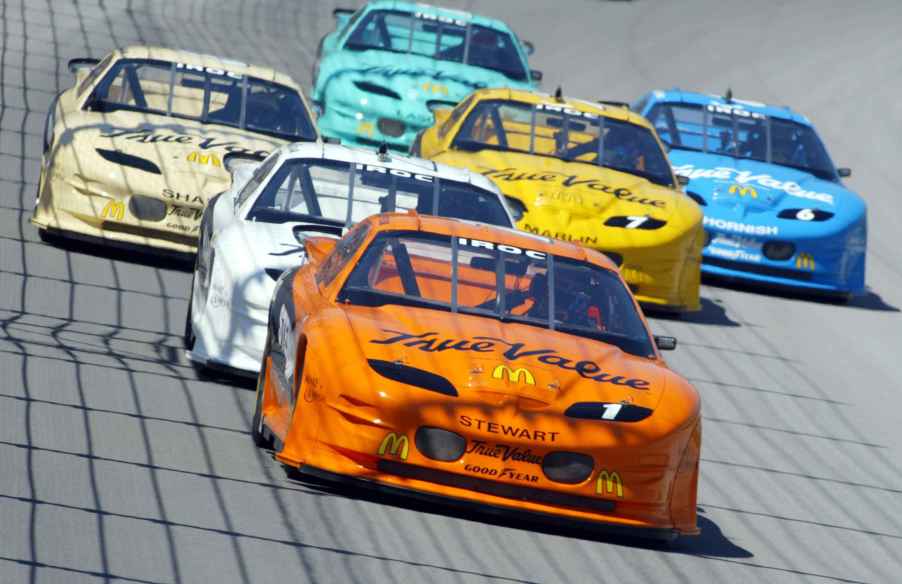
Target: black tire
261	437
188	337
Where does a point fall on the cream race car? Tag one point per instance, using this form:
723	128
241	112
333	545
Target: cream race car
134	150
258	229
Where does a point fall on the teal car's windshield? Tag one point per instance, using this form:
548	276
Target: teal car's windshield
498	281
204	94
444	39
339	193
731	130
567	134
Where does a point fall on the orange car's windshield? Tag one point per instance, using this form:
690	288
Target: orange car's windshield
564	133
497	281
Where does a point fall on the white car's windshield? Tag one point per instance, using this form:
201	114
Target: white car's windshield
567	134
741	133
212	96
497	281
443	39
330	190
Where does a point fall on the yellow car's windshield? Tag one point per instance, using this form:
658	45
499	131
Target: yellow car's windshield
567	134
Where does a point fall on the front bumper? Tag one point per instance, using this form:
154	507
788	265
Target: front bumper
832	265
505	512
625	488
364	119
74	206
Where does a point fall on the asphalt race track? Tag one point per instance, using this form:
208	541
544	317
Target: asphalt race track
118	464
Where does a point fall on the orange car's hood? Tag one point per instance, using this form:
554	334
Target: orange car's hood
482	357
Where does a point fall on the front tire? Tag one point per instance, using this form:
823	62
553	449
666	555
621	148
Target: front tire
259	434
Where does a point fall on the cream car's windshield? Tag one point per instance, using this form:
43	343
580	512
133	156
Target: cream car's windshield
340	193
567	134
204	94
498	281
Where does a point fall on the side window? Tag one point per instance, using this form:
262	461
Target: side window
456	115
95	72
344	250
260	173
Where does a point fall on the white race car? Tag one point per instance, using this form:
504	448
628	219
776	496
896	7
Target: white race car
256	230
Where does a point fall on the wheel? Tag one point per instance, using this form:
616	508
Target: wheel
260	435
188	337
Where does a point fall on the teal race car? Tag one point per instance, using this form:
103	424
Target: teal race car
386	68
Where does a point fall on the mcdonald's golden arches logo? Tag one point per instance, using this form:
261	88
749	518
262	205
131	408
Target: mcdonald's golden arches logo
201	158
394	445
609	483
113	210
513	375
805	261
743	190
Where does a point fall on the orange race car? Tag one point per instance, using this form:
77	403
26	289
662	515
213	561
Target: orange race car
484	365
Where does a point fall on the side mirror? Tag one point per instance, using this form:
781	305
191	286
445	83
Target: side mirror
665	343
342	12
81	64
318	248
683	181
535	75
529	47
844	172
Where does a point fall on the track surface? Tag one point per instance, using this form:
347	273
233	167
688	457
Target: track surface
117	463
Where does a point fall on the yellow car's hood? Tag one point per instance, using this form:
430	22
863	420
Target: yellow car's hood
573	200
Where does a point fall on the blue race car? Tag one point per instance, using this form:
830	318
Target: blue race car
385	69
776	211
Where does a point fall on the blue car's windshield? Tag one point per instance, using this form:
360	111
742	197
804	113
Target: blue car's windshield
731	130
444	39
211	96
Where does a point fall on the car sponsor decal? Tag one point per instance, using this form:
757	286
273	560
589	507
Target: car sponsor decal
805	261
508	473
503	452
743	177
395	172
502	371
508	249
211	70
571	181
583	239
184	197
395	445
113	210
430	342
609	483
507	429
153	137
434	88
203	159
738	227
734	109
742	191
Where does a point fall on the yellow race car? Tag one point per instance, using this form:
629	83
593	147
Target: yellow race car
582	172
138	146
